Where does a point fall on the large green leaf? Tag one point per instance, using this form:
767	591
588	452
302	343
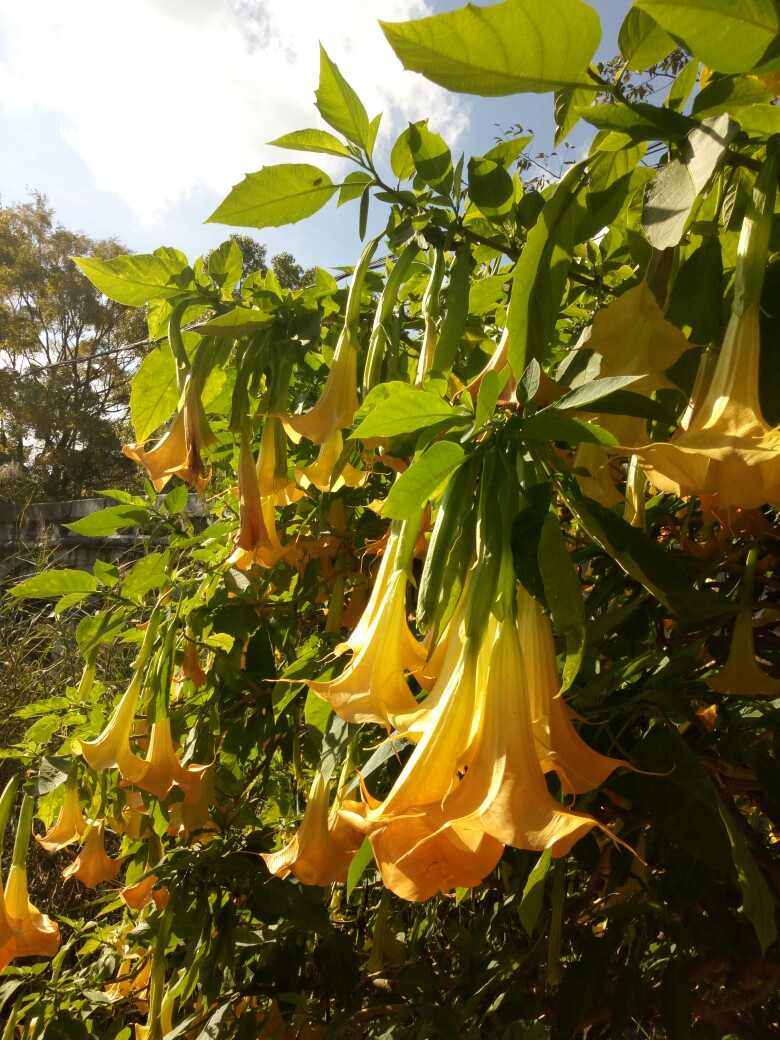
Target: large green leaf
642	41
675	187
109	521
133	280
396	408
505	48
51	584
312	141
758	904
682	799
431	157
760	120
640	121
274	196
727	36
339	105
422	480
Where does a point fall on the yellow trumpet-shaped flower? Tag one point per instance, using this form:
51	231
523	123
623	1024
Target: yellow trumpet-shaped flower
324	846
256	540
742	675
320	473
70	823
164	768
92	865
272	465
34	933
559	746
178	452
111	750
132	980
729	453
338	402
373	687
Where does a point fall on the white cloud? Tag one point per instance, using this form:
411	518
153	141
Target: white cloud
165	98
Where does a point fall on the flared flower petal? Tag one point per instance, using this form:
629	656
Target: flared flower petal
729	453
321	473
336	406
272	475
373	686
323	847
256	540
33	933
742	675
92	865
111	750
559	747
69	825
178	452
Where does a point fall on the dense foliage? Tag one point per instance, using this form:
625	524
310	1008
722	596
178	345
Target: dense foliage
524	468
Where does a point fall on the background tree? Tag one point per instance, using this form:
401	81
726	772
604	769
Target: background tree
64	351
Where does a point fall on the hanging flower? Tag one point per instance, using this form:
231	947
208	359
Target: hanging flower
179	451
272	477
323	847
559	746
742	675
70	823
256	540
92	865
373	686
320	473
111	750
729	454
336	406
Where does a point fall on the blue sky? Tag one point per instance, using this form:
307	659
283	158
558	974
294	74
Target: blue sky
136	118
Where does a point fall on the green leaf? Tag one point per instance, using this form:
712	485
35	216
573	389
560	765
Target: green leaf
642	41
358	866
468	50
487	293
353	186
533	893
225	264
106	573
317	713
549	426
399	408
729	94
312	141
238	321
418	484
505	153
662	573
564	595
640	120
133	280
681	798
431	157
401	160
147	574
99	628
593	391
339	105
726	36
491	188
108	521
566	110
274	196
52	584
758	903
487	397
674	189
176	501
760	120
